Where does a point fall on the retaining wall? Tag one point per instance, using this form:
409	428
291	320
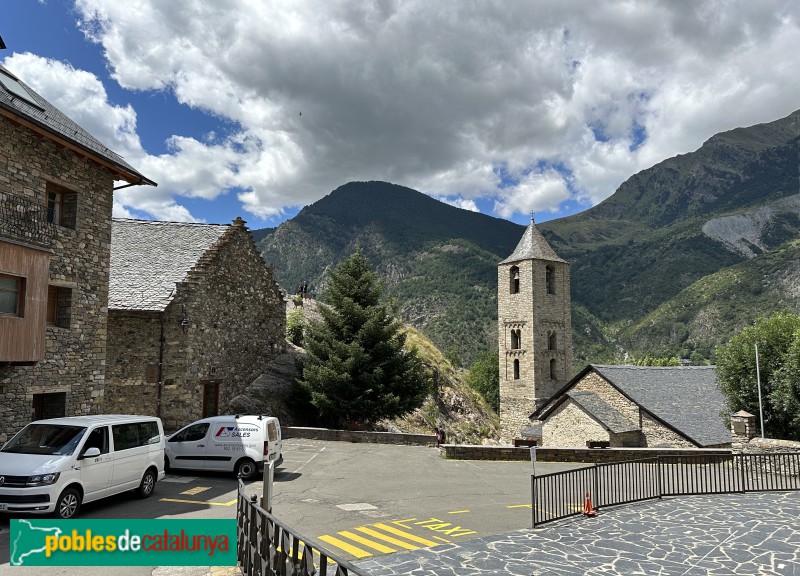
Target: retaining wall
588	455
357	436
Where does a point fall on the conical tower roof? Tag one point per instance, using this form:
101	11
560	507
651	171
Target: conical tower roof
533	246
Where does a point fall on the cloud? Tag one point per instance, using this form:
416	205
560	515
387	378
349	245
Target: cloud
427	94
462	203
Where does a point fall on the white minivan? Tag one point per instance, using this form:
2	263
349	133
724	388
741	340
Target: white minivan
240	444
56	465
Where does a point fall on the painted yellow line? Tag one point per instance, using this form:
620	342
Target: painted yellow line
349	548
412	537
520	506
443	539
366	542
231	503
196	490
388	539
458	512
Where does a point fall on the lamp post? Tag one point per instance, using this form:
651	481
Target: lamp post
758	381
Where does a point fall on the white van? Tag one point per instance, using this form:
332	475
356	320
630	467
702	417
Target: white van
240	444
55	465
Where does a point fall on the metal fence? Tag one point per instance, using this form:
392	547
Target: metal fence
562	494
268	547
25	220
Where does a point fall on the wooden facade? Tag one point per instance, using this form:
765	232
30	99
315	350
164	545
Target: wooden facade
22	333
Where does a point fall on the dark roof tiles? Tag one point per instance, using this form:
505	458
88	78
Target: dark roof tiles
532	246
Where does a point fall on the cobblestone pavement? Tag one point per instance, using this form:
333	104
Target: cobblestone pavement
687	536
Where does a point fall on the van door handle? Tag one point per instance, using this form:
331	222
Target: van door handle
201	445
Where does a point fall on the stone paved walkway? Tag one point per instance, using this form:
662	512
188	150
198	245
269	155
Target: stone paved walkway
683	536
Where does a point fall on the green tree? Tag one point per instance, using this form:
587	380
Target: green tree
778	339
656	361
294	327
356	368
484	376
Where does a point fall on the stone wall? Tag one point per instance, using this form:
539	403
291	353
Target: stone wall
356	436
588	455
571	426
235	324
657	435
770	446
595	383
74	361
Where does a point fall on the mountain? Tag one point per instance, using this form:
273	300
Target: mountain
675	261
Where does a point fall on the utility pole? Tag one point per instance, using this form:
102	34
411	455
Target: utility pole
760	406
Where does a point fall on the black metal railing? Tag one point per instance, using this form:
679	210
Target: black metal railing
268	547
563	494
24	220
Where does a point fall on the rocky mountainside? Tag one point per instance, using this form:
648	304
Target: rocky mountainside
678	258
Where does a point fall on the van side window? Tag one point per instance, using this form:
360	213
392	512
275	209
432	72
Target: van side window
148	433
191	434
272	430
126	436
98	439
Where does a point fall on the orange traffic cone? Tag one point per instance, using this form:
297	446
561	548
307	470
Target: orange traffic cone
587	507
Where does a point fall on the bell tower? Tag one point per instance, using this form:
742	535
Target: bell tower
534	329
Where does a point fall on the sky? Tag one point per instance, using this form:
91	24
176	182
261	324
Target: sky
258	108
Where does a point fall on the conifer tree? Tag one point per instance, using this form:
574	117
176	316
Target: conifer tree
356	368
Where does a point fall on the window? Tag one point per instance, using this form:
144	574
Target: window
62	206
553	374
514	280
191	434
12	295
516	369
59	306
97	439
272	431
52	405
135	434
550	279
551	340
516	339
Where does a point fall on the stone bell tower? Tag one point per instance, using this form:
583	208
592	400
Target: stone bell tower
534	329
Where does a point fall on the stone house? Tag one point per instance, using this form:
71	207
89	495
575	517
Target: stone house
637	406
56	187
194	317
534	329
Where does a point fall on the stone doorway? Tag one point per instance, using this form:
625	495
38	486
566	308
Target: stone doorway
211	397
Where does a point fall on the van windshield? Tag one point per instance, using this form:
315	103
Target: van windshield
47	439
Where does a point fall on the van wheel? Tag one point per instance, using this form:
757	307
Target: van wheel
148	484
246	469
68	504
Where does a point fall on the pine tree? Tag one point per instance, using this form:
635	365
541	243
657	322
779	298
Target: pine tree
356	368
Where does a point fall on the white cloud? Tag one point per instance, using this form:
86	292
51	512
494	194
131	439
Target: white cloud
428	94
462	203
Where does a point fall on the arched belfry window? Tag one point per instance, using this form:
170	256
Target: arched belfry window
516	369
551	340
550	279
553	371
513	277
516	339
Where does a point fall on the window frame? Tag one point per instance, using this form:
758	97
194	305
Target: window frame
21	284
59	306
513	280
550	279
62	208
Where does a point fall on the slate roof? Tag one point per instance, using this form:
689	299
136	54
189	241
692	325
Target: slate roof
532	246
148	258
687	397
609	417
51	119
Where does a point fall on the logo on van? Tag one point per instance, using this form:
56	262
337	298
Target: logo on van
234	432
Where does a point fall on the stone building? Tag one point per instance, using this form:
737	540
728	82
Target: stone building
56	187
637	406
194	317
534	329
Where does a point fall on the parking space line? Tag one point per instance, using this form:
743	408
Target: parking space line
388	539
458	512
349	548
202	502
520	506
309	460
366	542
412	537
196	490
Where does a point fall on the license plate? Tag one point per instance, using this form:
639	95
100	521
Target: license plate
3	506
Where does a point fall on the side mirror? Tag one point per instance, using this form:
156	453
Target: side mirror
91	452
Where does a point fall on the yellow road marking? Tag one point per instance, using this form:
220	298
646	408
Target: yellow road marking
354	550
366	542
458	512
196	490
520	506
408	535
231	503
388	539
443	539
